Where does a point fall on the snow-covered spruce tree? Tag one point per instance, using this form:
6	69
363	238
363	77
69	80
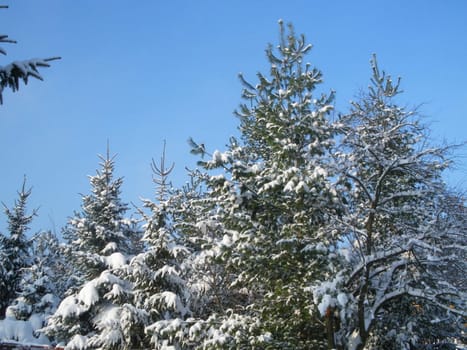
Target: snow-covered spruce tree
394	246
211	322
15	252
42	285
177	284
13	73
101	241
101	228
272	199
160	290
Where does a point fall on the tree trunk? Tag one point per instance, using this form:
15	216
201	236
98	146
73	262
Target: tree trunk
330	328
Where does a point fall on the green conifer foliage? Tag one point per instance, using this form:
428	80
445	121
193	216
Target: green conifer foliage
14	249
157	273
101	228
42	284
274	196
98	310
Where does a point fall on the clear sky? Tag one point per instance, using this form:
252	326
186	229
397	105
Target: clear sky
137	73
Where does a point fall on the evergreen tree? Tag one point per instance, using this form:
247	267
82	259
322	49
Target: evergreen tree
101	242
218	318
284	240
42	285
157	273
13	73
156	313
270	196
14	249
101	228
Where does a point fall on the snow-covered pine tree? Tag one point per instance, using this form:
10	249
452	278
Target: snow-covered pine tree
15	247
270	196
101	241
391	239
11	74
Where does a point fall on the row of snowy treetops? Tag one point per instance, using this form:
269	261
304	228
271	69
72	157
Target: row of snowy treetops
312	230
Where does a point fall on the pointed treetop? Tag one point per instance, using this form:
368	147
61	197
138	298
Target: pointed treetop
160	175
382	84
18	220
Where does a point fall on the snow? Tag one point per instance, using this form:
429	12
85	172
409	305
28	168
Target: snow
319	172
170	299
110	247
22	331
36	321
115	292
115	260
108	317
289	187
325	294
106	277
69	307
12	329
326	109
302	186
346	253
163	327
78	342
49	298
226	240
166	270
88	294
254	169
266	337
342	299
195	330
354	340
217	156
326	301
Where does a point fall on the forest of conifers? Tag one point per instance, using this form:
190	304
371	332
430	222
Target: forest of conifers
313	229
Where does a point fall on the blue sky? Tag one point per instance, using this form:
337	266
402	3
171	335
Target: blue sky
138	73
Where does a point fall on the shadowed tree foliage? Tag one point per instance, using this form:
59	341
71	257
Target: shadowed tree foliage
14	248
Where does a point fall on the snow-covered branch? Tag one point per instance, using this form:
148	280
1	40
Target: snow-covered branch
361	184
13	73
429	295
370	260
